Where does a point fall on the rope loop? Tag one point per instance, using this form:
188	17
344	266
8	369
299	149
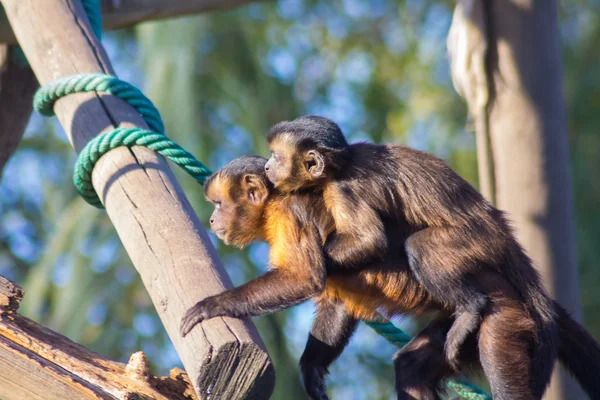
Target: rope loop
46	96
154	139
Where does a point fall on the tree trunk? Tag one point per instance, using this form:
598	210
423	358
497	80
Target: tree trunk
224	357
527	129
17	86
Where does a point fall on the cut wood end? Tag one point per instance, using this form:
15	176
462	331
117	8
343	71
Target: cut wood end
11	295
237	371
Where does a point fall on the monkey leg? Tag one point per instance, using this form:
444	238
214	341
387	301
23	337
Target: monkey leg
467	321
505	341
442	260
421	365
329	335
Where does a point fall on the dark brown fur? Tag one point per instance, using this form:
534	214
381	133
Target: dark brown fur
459	247
296	227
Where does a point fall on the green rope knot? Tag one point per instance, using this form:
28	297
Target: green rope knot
154	139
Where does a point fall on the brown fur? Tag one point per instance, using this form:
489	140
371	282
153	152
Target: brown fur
459	247
296	228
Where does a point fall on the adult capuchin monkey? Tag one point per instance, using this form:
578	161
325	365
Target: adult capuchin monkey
296	227
459	247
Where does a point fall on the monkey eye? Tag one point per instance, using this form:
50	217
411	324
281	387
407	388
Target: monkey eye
217	204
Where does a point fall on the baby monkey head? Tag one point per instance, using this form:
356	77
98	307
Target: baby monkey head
239	192
305	153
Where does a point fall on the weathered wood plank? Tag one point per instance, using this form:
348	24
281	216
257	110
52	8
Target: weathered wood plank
118	14
25	375
11	295
37	363
41	355
156	223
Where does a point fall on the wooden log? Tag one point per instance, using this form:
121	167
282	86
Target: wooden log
513	63
169	247
17	86
37	363
118	14
11	295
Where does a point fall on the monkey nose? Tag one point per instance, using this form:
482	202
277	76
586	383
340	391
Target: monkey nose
212	221
266	167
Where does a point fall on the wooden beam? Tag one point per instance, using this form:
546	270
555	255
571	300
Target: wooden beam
523	116
118	14
37	363
17	86
224	357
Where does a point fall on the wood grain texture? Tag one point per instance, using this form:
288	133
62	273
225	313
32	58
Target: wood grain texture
11	295
37	363
17	87
162	235
118	14
529	137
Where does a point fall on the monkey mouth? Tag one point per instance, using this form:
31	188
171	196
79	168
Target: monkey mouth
271	176
221	233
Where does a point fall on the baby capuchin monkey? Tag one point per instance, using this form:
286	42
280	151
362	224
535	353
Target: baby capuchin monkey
296	227
459	247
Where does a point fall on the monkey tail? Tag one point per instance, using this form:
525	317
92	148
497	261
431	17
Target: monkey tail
579	353
542	310
545	348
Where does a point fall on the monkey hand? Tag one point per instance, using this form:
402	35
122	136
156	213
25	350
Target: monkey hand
203	310
314	381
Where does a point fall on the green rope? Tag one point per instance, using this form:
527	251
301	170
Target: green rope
82	176
48	95
398	337
154	139
389	331
92	10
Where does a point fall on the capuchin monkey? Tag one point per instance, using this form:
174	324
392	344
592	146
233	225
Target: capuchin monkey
296	227
459	247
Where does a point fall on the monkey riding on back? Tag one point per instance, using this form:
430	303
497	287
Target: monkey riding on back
459	247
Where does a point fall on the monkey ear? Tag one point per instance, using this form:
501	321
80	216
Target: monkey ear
315	163
255	188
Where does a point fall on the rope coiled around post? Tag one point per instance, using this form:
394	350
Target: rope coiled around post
154	139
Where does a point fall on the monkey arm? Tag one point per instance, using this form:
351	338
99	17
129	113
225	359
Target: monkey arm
360	236
329	335
298	275
276	290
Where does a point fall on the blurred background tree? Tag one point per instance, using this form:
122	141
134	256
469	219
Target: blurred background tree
377	67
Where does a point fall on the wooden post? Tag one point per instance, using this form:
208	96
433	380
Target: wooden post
118	14
523	112
225	358
17	86
37	363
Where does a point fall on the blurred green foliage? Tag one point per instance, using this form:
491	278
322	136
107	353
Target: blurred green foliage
377	67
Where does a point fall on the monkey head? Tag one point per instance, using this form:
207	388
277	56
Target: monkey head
239	192
305	153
